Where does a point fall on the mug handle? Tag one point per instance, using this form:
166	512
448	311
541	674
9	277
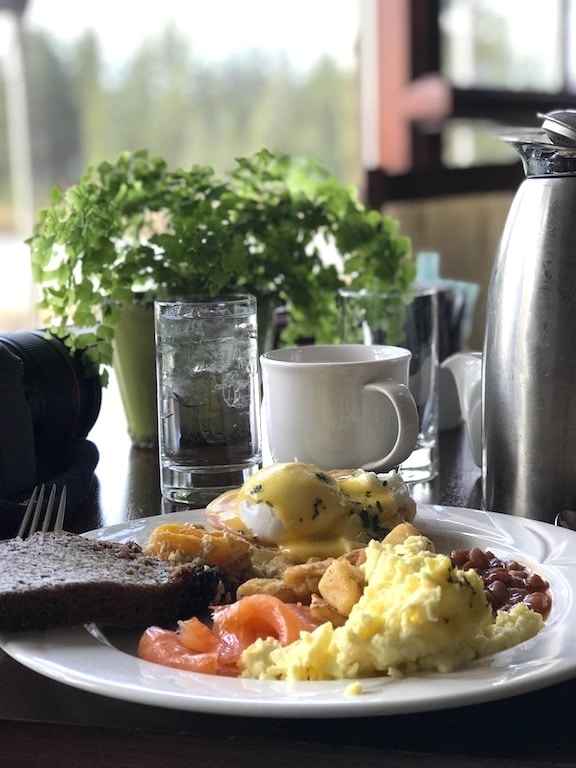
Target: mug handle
407	418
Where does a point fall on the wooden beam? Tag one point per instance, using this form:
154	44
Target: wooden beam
383	187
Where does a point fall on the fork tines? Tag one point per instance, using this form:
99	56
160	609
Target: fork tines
39	517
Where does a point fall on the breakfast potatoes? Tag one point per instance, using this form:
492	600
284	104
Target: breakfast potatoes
330	586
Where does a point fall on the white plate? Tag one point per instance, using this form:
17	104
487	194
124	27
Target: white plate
89	661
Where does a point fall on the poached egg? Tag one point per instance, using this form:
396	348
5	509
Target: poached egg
308	512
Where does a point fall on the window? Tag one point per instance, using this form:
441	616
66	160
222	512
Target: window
440	75
194	82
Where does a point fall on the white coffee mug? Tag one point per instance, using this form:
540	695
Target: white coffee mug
339	406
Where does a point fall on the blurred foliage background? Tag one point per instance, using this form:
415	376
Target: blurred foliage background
171	102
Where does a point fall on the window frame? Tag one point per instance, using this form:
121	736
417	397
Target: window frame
401	60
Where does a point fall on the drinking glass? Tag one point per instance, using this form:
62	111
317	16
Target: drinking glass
208	396
367	318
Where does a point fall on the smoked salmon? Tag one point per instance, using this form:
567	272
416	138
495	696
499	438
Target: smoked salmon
197	648
163	646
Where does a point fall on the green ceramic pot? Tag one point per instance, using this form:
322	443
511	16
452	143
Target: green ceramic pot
134	364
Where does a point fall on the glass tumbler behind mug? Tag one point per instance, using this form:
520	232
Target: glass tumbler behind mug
366	318
208	396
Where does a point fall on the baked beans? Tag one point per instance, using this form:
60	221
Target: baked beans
506	582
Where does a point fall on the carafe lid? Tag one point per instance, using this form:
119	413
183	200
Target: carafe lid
549	150
560	127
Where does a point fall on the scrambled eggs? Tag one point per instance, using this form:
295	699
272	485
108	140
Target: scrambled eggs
418	612
312	513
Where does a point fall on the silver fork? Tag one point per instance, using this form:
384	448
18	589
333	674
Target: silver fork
38	517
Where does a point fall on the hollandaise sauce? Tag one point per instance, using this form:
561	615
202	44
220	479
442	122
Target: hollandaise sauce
312	513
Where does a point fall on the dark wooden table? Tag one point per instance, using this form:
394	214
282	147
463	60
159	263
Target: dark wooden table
44	723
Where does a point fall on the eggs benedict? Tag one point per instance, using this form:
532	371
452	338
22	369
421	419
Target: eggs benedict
311	513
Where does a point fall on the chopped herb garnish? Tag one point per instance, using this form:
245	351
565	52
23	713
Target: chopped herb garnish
318	503
322	476
256	489
456	576
372	524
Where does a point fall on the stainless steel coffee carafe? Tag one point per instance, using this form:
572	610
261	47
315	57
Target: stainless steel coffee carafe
529	368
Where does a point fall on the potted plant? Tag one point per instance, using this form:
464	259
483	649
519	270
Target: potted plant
134	230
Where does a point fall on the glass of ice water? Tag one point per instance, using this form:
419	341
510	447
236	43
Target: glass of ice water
208	396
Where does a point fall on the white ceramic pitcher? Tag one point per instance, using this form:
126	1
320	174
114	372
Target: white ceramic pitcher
466	369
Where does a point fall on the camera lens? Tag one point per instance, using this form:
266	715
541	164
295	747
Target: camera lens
63	402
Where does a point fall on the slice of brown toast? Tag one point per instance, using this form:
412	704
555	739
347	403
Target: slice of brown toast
60	579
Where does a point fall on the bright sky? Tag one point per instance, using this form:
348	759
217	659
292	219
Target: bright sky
304	29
